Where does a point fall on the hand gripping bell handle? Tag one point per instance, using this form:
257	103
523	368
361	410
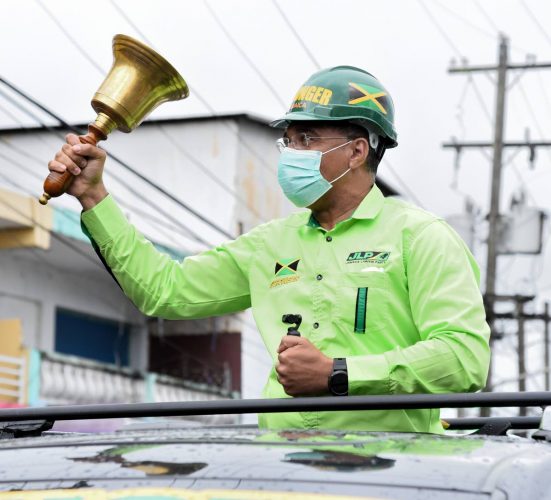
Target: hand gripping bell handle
57	183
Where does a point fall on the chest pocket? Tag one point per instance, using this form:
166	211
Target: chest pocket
363	302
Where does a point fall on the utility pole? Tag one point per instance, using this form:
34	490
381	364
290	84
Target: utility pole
493	216
546	344
498	145
521	352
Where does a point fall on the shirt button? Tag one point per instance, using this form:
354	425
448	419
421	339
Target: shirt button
328	238
319	277
316	325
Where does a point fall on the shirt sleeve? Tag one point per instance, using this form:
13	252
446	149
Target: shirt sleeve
453	353
211	283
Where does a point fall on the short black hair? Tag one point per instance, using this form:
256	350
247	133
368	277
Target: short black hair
375	155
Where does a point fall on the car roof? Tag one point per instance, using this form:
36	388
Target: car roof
404	464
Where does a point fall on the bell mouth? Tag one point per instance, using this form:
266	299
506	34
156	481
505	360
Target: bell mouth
137	49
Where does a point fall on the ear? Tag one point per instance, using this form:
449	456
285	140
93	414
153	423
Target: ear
360	150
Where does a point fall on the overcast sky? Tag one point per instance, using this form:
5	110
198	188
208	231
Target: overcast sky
407	44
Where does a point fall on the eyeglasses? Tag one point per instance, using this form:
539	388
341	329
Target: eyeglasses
300	141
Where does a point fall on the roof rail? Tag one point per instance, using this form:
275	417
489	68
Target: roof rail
225	407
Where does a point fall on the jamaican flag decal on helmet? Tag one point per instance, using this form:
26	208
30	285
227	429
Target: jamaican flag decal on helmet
366	95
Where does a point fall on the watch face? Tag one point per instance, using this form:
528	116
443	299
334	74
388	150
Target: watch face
339	383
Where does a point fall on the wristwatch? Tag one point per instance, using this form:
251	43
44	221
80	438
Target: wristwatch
338	380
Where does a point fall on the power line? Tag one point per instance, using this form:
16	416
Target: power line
68	35
454	47
120	180
122	13
28	112
297	35
531	111
39	161
536	21
194	92
463	20
486	16
144	214
437	25
481	100
402	183
209	174
474	26
41	226
56	237
243	54
544	91
121	162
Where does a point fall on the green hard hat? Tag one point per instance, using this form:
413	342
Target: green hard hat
344	93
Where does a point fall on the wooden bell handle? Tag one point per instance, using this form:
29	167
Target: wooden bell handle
56	183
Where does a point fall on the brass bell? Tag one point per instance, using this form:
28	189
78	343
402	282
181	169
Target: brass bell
139	80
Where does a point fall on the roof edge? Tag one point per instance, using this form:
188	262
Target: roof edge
162	121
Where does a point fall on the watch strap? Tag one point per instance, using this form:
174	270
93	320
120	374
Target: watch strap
340	364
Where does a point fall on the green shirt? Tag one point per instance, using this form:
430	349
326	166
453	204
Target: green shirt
393	289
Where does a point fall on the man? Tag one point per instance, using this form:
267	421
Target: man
388	293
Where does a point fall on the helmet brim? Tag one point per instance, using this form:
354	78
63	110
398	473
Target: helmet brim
297	116
286	120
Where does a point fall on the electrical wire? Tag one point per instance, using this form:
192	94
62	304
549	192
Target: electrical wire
440	30
486	16
474	26
542	30
297	35
481	100
460	109
161	223
251	64
123	164
41	226
168	215
209	174
68	35
144	214
194	92
463	20
532	112
454	47
404	186
41	258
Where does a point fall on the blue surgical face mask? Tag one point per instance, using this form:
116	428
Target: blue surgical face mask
298	173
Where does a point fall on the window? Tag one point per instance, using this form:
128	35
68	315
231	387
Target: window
91	337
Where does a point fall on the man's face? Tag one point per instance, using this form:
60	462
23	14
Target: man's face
318	137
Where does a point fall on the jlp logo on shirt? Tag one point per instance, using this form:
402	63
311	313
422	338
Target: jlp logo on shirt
368	256
286	271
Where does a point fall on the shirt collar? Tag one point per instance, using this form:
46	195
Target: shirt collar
368	209
371	205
